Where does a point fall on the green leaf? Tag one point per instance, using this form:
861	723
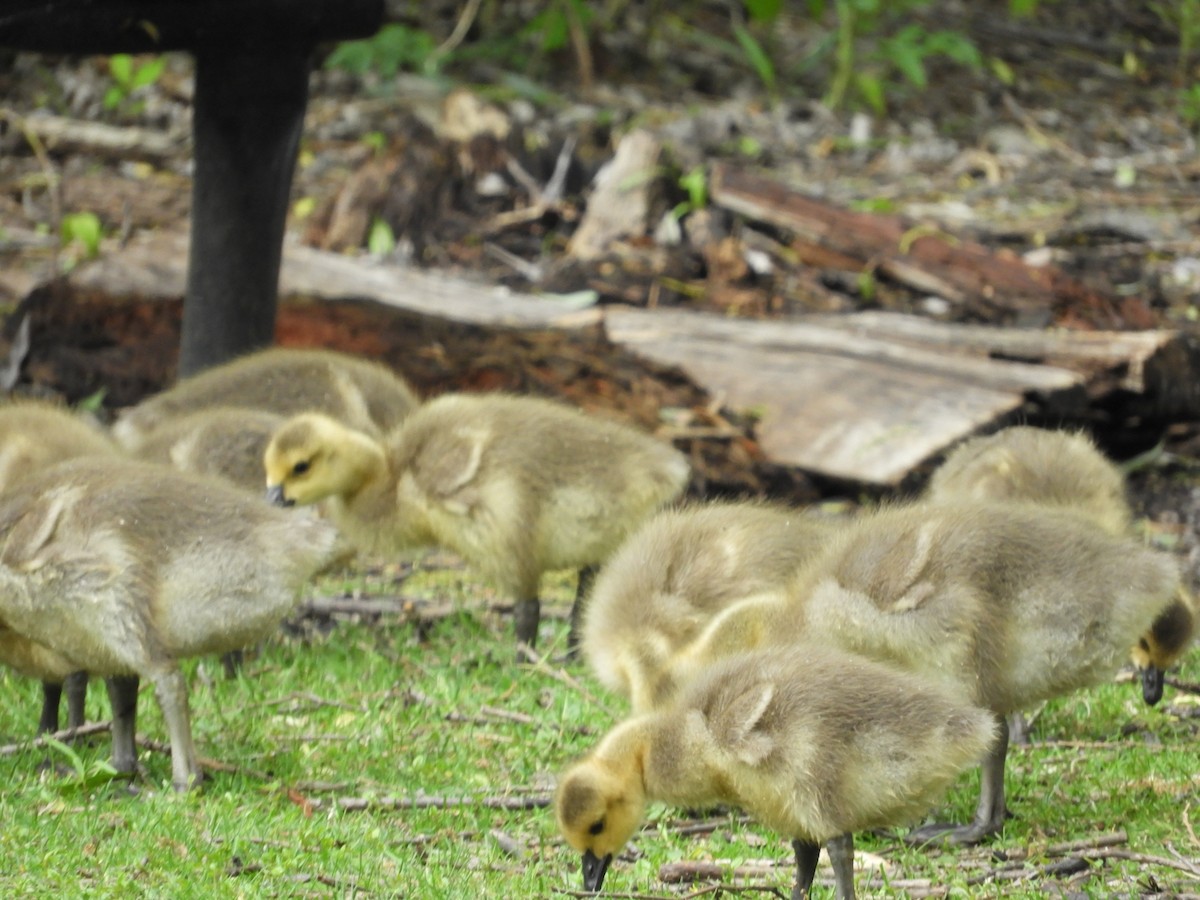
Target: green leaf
83	227
120	67
695	182
764	10
382	240
756	55
113	97
871	89
1003	71
148	72
92	403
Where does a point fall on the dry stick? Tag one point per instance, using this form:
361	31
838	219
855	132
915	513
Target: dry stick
64	735
1189	687
1184	866
207	762
352	804
539	663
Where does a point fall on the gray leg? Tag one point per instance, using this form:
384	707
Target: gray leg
122	694
528	615
841	854
587	575
232	661
51	695
170	688
806	867
991	810
76	685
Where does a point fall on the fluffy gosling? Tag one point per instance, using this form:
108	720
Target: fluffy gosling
1013	603
34	435
813	743
223	441
125	568
1065	470
364	394
671	576
515	485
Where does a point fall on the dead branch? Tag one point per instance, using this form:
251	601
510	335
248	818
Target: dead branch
354	804
65	735
63	136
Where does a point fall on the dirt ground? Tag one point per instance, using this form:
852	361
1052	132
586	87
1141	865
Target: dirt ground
1079	156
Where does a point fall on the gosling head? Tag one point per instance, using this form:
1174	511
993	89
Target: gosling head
311	457
1160	647
598	808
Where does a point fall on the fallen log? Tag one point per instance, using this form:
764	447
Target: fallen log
996	284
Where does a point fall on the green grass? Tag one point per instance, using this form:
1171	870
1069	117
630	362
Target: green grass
368	710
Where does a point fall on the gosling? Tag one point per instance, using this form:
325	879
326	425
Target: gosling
34	435
682	567
515	485
364	394
1066	471
124	568
813	743
225	442
1012	603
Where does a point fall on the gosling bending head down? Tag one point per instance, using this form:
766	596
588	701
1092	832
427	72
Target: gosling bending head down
34	435
1011	603
1064	470
814	744
125	568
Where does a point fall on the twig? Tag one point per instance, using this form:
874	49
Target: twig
461	27
539	663
1189	687
1187	823
64	735
206	762
353	804
1184	866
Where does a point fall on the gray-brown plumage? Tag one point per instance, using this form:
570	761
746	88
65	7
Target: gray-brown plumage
814	744
223	441
1066	471
1062	469
125	568
362	393
1013	603
678	570
516	485
34	435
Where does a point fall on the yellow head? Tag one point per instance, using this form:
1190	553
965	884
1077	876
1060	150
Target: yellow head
1160	647
312	457
599	805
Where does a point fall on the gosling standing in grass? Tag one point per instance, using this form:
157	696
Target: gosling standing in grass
125	568
1011	603
814	744
1066	471
34	435
682	567
364	394
516	485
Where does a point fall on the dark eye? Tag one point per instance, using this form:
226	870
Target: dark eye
1143	644
596	827
300	468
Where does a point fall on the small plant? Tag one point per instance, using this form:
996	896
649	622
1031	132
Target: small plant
128	76
906	51
83	229
392	48
695	182
1182	17
86	775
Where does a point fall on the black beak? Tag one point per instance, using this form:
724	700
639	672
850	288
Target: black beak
593	870
1152	684
275	495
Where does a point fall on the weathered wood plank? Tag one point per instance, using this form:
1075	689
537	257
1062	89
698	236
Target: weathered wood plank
863	397
863	411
